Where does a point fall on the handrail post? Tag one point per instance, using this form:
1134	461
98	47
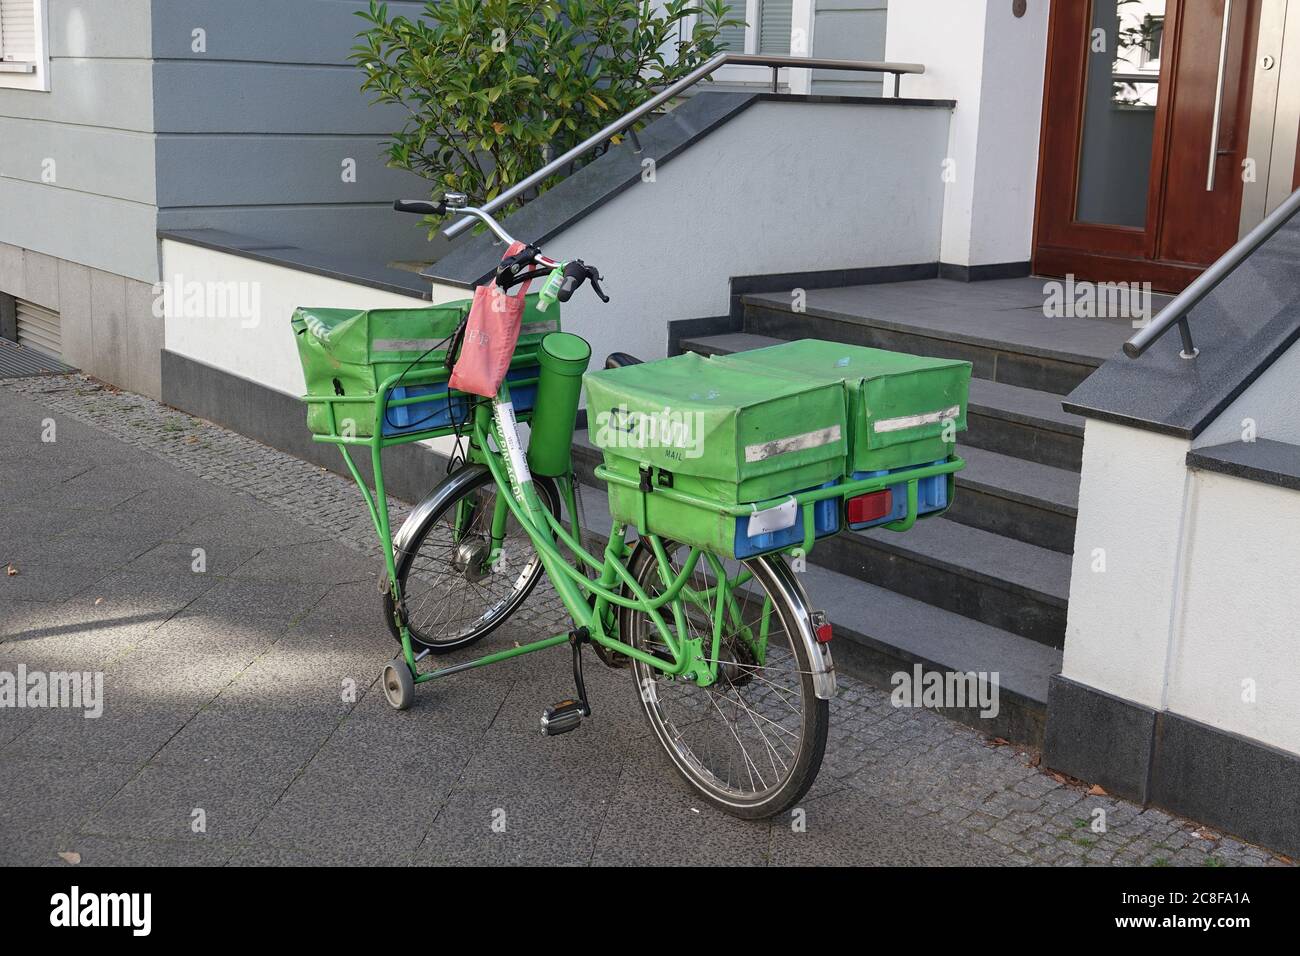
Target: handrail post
1176	311
1189	351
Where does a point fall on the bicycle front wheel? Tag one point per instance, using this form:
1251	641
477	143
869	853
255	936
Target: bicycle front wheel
752	742
454	596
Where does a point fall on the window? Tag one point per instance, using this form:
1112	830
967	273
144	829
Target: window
24	60
767	27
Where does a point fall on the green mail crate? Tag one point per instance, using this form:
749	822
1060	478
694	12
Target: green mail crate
899	404
724	434
351	352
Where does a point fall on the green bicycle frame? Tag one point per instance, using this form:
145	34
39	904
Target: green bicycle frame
592	588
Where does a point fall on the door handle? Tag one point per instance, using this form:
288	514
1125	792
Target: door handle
1218	95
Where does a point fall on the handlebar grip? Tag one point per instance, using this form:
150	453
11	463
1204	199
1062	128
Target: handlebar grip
569	286
575	274
420	207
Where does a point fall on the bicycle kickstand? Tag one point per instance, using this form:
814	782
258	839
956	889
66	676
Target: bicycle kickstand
567	714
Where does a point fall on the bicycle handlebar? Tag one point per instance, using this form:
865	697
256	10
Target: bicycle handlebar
420	207
511	270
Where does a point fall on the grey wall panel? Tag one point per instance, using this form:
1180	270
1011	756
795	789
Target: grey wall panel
370	233
100	28
196	96
201	170
109	234
286	31
87	159
115	94
853	30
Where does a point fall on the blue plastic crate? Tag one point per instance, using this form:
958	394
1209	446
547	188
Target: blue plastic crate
524	399
444	411
449	409
931	495
826	520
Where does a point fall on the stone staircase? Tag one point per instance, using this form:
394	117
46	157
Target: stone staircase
983	588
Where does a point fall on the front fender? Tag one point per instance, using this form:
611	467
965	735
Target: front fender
449	488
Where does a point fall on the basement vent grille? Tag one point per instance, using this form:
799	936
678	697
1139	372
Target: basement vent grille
39	328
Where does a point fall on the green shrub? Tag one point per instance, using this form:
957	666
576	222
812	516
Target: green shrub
493	88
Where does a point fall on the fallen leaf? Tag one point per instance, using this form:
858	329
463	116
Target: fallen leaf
999	742
11	570
68	856
1096	791
1207	834
1035	760
1059	778
99	600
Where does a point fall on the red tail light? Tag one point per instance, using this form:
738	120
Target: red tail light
821	627
870	507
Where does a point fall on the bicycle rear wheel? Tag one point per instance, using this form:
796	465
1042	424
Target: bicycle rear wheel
752	742
453	596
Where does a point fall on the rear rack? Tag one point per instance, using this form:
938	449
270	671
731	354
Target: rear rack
848	488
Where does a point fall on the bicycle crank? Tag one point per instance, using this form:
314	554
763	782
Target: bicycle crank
567	714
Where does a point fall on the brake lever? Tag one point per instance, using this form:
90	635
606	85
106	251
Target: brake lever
595	285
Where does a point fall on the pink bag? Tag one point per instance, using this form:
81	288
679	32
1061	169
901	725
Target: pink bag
490	337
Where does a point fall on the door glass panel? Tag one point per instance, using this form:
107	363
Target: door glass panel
1125	43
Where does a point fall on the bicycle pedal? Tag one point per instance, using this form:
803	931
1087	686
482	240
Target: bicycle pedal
563	717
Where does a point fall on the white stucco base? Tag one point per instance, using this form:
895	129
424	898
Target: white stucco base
1183	596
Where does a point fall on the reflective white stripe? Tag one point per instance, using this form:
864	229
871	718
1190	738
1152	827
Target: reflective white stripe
532	328
407	345
912	421
779	446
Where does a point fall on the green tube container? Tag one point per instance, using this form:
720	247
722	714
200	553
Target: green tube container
563	359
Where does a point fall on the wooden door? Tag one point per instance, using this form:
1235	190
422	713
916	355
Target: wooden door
1133	89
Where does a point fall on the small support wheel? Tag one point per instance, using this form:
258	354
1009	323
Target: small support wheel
399	685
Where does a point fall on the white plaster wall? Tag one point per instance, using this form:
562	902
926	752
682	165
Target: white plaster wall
1271	402
1131	506
1237	628
261	349
781	188
992	64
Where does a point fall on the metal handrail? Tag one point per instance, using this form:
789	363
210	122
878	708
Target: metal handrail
1176	312
705	69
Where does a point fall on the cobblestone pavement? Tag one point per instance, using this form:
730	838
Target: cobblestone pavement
229	736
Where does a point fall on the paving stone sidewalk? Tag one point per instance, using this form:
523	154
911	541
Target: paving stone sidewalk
229	735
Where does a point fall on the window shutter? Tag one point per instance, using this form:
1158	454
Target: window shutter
774	18
18	30
732	39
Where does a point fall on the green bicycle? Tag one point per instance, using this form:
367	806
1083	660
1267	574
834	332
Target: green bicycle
731	664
